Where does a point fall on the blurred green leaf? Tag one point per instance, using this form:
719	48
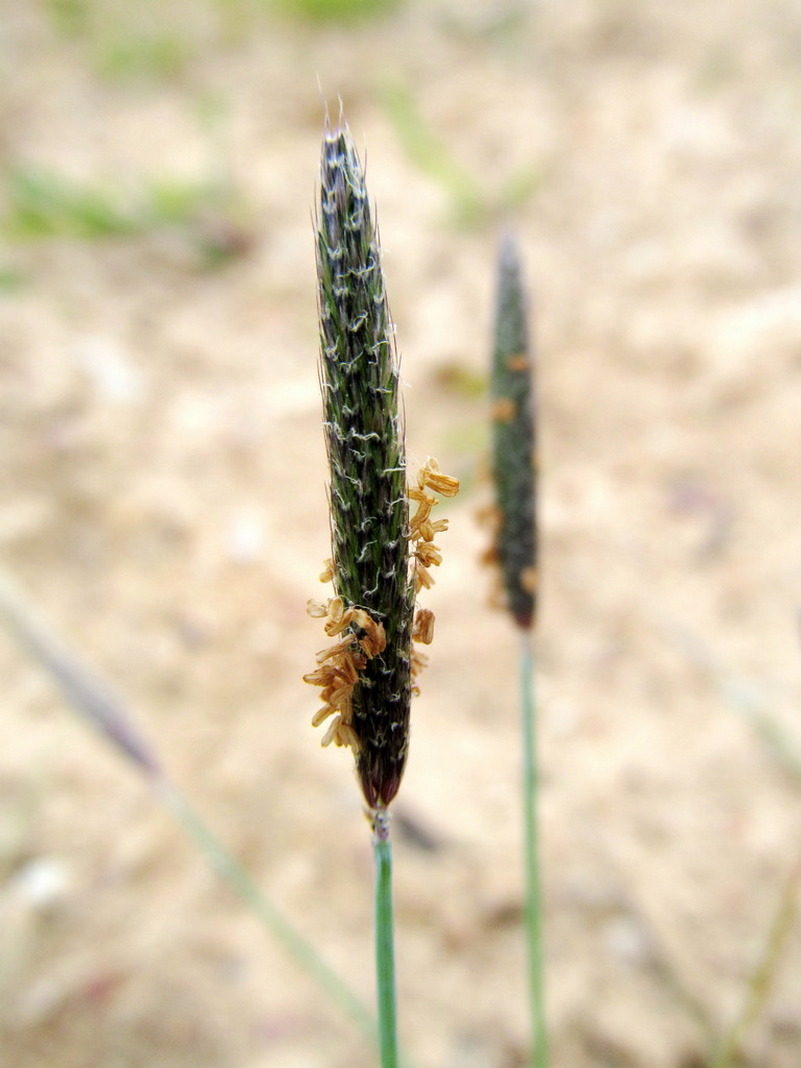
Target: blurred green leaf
473	205
428	152
137	55
42	204
11	280
334	10
69	16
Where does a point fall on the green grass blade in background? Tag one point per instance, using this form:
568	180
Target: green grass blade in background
109	717
91	698
472	203
247	889
728	1051
740	696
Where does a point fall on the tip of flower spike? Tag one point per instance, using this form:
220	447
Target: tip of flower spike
509	252
333	132
327	121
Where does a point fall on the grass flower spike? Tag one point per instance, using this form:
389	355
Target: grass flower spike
513	458
514	469
381	552
380	557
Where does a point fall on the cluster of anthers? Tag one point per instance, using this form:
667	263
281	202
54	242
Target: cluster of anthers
422	529
362	636
339	665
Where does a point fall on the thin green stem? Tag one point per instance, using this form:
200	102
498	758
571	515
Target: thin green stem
246	888
385	944
763	978
110	717
531	853
742	697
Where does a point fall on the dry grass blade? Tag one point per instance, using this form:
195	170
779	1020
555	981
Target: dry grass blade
104	711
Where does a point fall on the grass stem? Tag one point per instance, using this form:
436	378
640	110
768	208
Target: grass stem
385	945
531	851
763	978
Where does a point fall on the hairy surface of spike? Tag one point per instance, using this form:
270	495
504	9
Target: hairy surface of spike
514	444
359	373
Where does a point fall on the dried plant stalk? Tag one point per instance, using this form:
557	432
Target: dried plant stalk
514	456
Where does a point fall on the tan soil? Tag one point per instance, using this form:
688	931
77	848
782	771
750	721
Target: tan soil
163	504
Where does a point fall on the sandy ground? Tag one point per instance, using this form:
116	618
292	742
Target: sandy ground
163	505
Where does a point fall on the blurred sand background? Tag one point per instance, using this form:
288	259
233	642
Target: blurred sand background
163	505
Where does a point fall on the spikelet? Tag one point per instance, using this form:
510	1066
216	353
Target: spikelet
513	442
379	557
